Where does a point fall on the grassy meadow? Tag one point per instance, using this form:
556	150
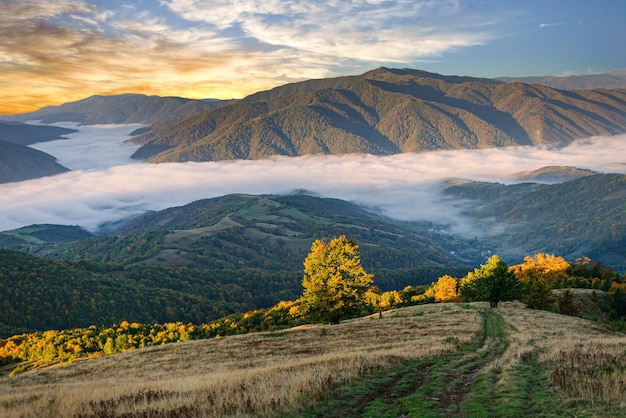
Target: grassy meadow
428	360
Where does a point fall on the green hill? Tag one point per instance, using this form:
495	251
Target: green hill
272	234
204	260
582	217
382	112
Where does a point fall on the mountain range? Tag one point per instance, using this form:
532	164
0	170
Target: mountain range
585	216
383	112
120	109
607	80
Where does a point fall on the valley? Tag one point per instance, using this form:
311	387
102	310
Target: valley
169	283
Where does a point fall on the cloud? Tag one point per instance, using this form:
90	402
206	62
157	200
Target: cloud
404	186
55	52
549	25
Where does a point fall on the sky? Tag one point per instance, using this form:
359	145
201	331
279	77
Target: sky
57	51
403	186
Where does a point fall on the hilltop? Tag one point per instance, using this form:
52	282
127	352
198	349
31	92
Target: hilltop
383	112
223	255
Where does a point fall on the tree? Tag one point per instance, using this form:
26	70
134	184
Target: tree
492	282
334	281
445	289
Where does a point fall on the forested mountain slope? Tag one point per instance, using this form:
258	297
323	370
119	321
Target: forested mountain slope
382	112
204	260
581	217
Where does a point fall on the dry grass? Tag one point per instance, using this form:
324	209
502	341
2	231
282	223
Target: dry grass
261	374
247	375
587	361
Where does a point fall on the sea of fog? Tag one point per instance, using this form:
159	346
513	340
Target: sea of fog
106	185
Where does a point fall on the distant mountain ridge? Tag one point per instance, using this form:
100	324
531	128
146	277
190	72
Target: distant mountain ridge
23	134
607	80
383	112
119	109
18	163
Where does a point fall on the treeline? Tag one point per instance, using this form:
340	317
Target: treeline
534	282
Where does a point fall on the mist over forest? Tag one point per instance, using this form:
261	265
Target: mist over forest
106	185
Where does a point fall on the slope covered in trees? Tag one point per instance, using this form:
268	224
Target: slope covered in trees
581	217
271	234
386	111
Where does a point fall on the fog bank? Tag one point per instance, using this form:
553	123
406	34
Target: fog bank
108	186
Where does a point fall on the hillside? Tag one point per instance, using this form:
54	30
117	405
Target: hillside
18	163
120	109
431	360
38	235
383	112
271	235
23	134
204	260
582	217
38	294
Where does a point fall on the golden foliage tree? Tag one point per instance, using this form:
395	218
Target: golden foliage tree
334	281
444	290
538	275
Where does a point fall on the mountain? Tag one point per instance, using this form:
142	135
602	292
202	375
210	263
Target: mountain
23	134
582	217
608	80
383	112
125	108
18	162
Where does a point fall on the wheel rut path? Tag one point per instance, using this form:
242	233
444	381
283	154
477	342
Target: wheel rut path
436	387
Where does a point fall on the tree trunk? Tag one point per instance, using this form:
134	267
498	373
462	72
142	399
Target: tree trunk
493	304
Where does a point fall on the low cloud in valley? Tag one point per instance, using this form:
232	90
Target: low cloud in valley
106	186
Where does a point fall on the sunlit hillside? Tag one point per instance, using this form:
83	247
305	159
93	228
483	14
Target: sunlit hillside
443	359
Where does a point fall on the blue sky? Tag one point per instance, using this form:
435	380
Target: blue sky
52	52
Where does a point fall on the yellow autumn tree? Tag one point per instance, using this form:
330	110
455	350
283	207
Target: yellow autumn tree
538	275
444	290
334	281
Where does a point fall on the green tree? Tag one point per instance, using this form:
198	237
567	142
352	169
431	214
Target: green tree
334	281
492	282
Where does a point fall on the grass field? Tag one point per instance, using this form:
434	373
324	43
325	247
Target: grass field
429	360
